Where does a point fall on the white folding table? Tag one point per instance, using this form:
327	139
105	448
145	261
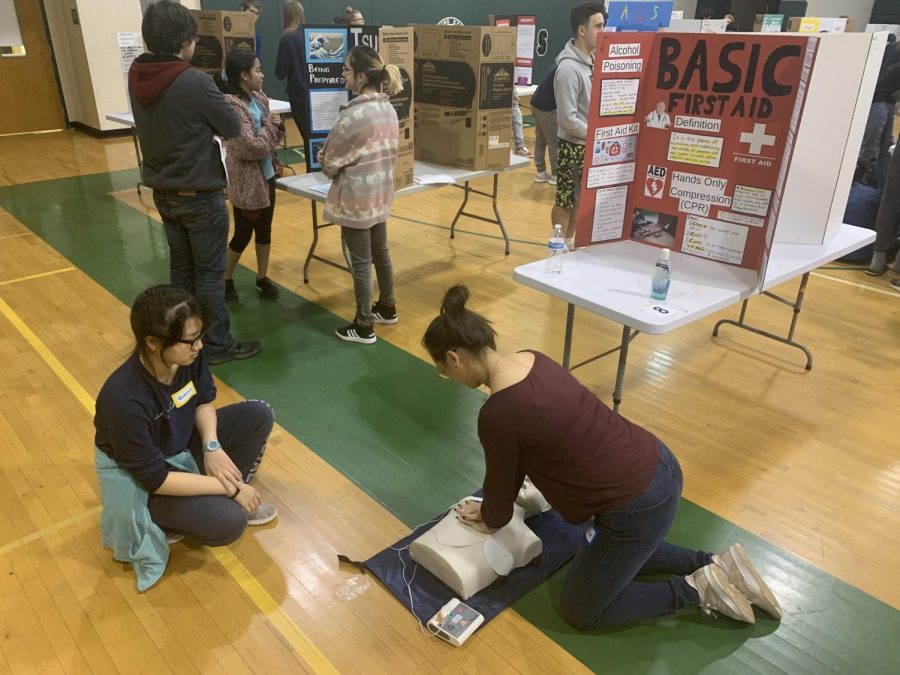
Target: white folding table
127	118
304	186
613	281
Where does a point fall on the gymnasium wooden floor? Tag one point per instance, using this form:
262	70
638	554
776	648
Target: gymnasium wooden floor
802	467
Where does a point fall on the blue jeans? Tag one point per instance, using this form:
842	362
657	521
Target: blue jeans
601	591
197	232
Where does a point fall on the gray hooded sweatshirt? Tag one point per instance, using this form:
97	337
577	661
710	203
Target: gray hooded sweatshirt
572	88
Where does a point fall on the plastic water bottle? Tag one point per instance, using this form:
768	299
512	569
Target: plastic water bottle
659	286
557	248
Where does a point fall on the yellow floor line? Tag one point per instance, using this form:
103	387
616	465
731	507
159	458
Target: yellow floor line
273	612
13	236
36	276
865	287
264	602
39	534
71	383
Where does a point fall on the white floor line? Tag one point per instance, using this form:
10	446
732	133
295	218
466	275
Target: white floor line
865	287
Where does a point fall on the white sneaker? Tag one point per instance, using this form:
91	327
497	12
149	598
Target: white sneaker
717	594
552	180
742	575
265	513
173	538
543	177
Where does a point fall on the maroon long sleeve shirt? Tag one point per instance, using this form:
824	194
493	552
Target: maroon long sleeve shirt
581	455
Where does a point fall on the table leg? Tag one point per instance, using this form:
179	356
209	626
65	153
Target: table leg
497	212
567	346
315	242
460	211
496	220
620	373
140	159
796	306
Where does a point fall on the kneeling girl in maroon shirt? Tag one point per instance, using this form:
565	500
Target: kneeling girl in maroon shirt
591	464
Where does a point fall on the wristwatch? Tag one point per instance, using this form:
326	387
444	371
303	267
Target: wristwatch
212	446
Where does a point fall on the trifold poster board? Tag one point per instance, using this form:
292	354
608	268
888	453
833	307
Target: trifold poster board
768	23
834	121
683	26
721	150
525	33
638	15
812	24
879	27
464	88
327	47
690	140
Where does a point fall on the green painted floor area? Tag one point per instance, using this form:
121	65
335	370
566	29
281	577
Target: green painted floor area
382	418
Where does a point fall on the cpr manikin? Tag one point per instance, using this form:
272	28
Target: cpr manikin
468	561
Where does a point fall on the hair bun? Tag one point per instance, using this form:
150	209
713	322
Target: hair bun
455	299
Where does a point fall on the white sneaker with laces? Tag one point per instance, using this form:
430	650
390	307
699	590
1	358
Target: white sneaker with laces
542	177
265	513
717	595
741	573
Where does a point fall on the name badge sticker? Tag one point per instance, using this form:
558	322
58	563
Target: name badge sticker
185	394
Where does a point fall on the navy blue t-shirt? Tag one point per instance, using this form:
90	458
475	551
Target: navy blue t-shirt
141	421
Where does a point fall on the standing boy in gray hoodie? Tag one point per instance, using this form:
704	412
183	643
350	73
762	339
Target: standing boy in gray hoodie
572	88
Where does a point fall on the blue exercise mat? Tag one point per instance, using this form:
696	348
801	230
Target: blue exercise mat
560	542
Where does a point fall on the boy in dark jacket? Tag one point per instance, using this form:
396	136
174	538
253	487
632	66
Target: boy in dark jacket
177	112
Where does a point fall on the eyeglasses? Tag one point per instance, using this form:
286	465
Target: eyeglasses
441	373
348	70
190	343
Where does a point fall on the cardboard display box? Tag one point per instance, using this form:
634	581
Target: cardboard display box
395	46
463	95
218	33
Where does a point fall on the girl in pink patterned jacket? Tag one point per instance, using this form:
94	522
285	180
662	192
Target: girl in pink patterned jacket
251	170
359	156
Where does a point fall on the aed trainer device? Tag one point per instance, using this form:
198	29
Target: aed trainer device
455	622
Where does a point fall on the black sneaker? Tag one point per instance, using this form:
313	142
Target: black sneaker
241	350
267	289
231	294
384	313
357	333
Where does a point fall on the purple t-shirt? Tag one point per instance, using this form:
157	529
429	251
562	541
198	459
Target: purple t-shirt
581	455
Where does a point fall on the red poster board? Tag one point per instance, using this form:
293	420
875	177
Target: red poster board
690	139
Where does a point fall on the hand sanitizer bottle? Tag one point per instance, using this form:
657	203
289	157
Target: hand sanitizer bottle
659	286
557	248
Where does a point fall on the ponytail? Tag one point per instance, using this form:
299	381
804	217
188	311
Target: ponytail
392	83
383	77
457	328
